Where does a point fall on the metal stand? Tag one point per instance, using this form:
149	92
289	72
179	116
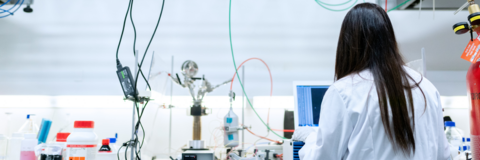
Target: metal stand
424	62
189	70
132	141
197	128
243	108
133	113
170	107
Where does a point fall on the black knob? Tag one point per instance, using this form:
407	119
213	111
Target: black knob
28	9
461	28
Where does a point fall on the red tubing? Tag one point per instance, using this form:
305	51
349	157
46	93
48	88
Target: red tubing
263	137
271	80
284	130
386	5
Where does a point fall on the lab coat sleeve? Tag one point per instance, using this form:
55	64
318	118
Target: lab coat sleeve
331	140
444	148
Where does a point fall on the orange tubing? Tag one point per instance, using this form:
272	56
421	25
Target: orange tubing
263	137
282	130
271	80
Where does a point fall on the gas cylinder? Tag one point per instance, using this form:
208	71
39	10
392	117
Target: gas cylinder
473	87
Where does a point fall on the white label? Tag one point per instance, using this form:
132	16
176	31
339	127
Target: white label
81	152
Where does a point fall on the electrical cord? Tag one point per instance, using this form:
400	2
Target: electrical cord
118	152
130	5
15	5
6	11
151	39
139	115
11	13
126	150
236	71
139	124
4	3
134	31
123	28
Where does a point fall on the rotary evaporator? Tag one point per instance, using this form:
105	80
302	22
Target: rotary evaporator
197	149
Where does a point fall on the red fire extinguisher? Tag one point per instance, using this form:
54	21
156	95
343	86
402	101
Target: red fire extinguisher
473	87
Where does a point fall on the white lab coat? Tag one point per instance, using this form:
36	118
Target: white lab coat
351	127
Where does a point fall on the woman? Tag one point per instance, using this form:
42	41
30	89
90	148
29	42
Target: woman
377	108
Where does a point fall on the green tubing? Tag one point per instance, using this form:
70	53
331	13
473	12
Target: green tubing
327	4
324	5
235	67
401	4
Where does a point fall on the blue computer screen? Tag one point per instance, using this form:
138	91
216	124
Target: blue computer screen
309	100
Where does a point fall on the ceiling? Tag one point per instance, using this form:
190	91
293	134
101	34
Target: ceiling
68	47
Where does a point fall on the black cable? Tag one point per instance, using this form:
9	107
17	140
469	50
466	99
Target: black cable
134	28
139	115
137	126
140	124
151	39
136	78
126	150
130	5
123	28
143	138
136	130
118	152
135	44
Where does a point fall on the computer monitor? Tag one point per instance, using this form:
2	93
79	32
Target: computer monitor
308	100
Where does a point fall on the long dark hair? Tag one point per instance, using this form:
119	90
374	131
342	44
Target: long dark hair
367	41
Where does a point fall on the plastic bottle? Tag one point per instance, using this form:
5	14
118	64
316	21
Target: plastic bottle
29	126
467	143
461	155
105	152
113	144
14	146
3	147
454	136
231	138
62	141
82	142
27	151
105	146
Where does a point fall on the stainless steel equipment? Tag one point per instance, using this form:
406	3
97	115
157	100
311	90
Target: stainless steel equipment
189	70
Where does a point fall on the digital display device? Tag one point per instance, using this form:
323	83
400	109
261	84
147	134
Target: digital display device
308	102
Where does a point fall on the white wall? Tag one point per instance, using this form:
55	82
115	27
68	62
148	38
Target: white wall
457	108
68	47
